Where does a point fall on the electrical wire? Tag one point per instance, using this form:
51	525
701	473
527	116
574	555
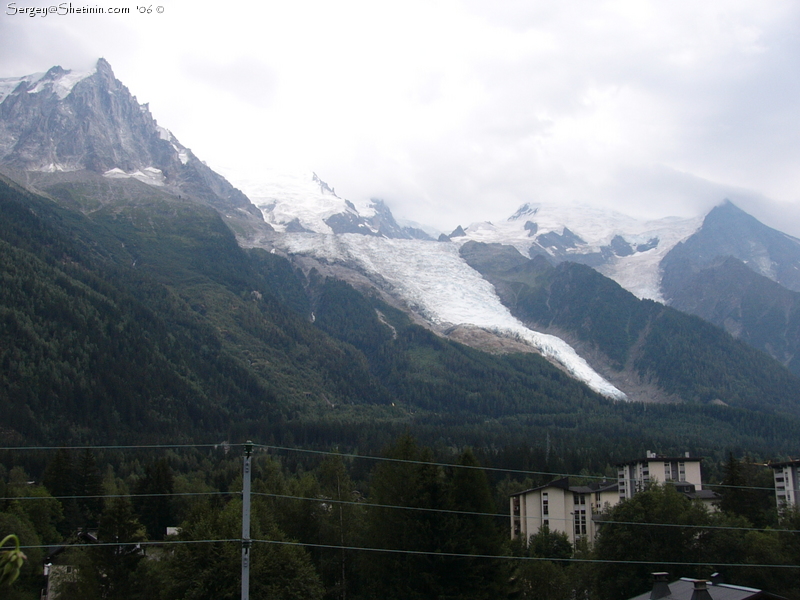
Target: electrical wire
228	446
370	505
406	552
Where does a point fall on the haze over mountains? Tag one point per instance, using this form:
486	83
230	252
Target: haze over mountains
574	284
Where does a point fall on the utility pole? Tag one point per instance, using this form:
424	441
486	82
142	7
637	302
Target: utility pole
246	543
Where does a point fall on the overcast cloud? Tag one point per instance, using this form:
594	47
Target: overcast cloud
455	112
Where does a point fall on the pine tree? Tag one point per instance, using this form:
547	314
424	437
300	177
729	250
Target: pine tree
155	506
89	489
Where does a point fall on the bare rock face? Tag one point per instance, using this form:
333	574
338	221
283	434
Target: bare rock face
68	121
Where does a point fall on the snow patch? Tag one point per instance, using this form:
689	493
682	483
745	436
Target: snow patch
56	168
148	175
164	134
64	84
61	86
9	84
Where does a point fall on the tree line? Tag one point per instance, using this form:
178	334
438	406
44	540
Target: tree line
339	527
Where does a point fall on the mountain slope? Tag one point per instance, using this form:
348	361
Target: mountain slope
749	306
639	339
157	322
743	276
95	348
729	231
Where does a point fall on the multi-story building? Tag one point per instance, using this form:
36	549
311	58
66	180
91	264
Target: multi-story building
787	483
683	471
561	507
576	510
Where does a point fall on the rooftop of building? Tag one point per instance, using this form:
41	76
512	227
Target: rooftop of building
603	485
650	456
686	589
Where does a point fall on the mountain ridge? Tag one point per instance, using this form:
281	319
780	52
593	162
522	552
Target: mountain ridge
306	221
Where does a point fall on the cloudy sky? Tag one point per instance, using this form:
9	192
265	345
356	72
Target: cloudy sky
460	111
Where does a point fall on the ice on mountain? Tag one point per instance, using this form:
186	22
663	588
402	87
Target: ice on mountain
434	279
148	175
9	84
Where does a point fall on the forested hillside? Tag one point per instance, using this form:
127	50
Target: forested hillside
685	356
154	325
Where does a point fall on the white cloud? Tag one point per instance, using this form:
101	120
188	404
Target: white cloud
459	111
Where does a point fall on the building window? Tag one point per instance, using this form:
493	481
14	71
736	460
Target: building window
545	504
579	524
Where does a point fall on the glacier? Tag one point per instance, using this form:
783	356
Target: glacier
433	280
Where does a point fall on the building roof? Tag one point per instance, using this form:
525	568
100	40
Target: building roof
563	484
683	588
786	463
659	457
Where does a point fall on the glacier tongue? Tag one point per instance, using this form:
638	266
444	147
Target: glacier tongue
433	279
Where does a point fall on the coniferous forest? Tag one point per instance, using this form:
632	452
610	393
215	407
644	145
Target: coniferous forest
140	346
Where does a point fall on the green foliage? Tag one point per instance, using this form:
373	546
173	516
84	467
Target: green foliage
672	538
549	544
408	482
199	571
11	560
20	526
747	491
154	504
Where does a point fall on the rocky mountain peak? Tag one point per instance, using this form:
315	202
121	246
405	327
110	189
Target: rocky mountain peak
68	121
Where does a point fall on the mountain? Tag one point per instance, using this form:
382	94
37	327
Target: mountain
299	202
68	129
729	231
726	267
640	344
319	312
627	250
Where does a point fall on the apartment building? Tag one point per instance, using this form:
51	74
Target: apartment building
683	471
562	507
787	483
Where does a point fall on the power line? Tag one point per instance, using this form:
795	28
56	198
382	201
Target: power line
97	496
227	447
407	552
222	445
524	558
392	506
507	516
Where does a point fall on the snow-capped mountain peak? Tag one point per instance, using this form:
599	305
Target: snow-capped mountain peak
88	121
57	80
621	247
299	201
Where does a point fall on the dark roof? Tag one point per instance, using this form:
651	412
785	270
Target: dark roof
660	458
563	483
704	495
683	588
786	463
